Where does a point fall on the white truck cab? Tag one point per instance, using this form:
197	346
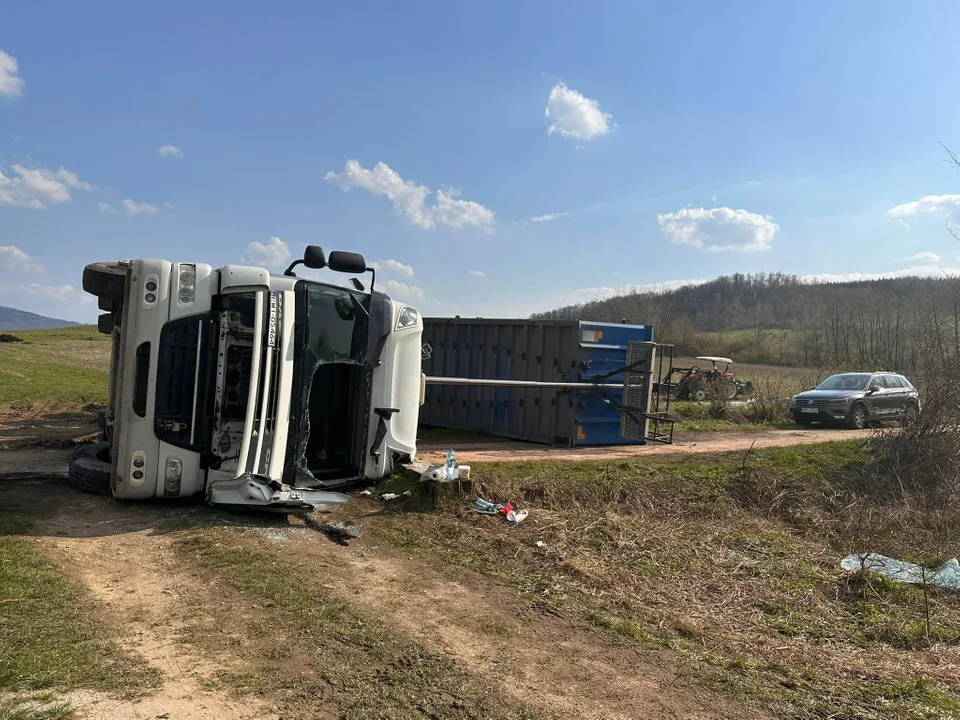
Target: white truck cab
251	388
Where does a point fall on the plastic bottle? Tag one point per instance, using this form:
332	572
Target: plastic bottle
451	466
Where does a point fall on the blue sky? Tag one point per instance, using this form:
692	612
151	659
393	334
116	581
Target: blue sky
594	146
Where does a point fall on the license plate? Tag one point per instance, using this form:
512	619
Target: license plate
809	410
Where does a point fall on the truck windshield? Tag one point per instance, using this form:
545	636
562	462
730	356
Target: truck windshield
336	323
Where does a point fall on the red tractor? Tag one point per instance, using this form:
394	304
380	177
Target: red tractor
694	383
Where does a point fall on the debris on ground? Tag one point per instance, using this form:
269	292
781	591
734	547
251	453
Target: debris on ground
389	496
340	531
448	471
540	544
366	493
946	576
5	338
507	510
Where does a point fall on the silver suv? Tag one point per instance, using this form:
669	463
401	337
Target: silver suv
856	400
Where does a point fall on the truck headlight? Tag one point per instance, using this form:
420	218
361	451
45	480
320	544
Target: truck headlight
171	476
408	318
187	283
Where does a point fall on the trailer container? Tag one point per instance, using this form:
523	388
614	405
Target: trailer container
545	350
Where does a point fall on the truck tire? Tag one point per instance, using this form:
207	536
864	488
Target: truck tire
106	323
105	278
90	469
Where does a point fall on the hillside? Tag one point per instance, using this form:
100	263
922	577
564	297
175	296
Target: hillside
777	318
13	319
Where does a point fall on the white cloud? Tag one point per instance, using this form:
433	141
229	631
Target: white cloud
37	187
410	199
107	208
274	255
10	82
14	261
170	206
401	291
478	273
928	257
925	266
574	116
393	266
549	216
719	229
50	292
929	203
134	208
170	151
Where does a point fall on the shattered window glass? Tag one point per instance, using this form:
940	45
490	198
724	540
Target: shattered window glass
336	327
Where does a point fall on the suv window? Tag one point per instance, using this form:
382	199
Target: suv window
891	382
904	382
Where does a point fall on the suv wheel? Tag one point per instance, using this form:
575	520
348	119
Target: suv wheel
859	420
910	413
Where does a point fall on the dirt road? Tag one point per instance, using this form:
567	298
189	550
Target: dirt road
471	449
524	653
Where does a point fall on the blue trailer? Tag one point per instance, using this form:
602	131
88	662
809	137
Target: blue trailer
568	378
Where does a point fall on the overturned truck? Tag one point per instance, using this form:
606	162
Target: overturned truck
253	389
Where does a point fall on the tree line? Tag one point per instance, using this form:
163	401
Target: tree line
777	318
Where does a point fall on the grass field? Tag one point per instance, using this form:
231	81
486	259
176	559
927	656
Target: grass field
65	369
731	563
50	637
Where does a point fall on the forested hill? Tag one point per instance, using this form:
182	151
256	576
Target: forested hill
778	318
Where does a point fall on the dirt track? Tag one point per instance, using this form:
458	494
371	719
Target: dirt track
471	449
121	552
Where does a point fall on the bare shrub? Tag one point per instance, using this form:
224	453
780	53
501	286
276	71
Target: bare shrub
770	402
920	462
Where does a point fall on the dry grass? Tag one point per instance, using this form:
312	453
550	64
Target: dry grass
731	562
312	649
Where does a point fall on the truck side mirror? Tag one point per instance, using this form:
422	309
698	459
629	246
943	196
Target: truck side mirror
314	258
347	262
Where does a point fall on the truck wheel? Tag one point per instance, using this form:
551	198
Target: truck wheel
106	323
699	395
105	278
90	469
858	417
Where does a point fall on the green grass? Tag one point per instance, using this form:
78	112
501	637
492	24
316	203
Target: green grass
51	637
66	368
726	561
344	657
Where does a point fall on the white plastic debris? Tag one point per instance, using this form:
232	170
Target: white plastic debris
407	493
389	496
947	575
517	516
366	492
541	544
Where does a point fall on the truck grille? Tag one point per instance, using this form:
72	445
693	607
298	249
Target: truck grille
180	378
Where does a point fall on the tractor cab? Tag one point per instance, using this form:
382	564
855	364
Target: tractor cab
714	373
